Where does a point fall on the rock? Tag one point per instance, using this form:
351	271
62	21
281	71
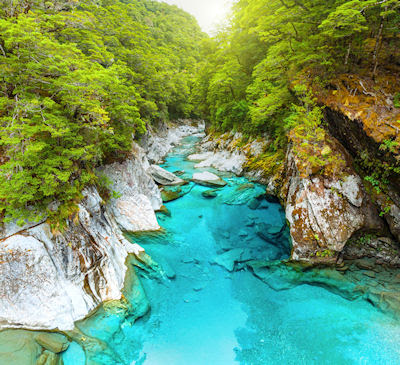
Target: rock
138	195
170	193
18	347
135	214
229	258
370	274
324	212
383	249
53	342
164	210
222	161
199	287
158	144
208	179
243	233
54	279
188	260
167	269
130	178
49	358
243	194
254	204
210	194
164	177
364	264
269	232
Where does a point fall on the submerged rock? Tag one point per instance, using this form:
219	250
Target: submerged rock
269	232
53	342
244	194
170	193
18	347
164	177
49	358
208	179
210	193
229	258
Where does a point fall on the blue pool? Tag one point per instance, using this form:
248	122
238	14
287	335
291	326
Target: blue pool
213	310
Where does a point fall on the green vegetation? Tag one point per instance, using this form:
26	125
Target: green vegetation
255	74
78	79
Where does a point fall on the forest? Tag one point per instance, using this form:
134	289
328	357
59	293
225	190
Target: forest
80	79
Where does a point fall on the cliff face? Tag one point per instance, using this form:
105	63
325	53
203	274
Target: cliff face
49	280
365	117
324	212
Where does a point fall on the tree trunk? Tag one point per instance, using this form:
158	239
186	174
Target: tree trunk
376	48
346	60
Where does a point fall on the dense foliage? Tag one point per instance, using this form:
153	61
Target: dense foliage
78	79
253	71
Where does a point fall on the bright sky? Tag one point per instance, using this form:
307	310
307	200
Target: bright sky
209	13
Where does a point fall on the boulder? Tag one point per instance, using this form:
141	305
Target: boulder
164	177
135	214
243	194
170	193
53	342
208	179
210	194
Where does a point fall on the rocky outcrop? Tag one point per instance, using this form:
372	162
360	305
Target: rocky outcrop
220	160
50	279
227	152
325	211
135	192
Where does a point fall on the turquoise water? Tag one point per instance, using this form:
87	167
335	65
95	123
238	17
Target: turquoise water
209	315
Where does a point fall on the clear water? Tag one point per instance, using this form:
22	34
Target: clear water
208	315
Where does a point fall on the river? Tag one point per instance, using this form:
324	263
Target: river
205	314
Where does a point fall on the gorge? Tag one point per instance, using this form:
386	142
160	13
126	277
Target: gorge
167	197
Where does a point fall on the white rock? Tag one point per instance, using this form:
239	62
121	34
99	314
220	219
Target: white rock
50	281
222	160
135	214
164	177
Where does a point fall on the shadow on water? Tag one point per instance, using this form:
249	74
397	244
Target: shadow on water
213	310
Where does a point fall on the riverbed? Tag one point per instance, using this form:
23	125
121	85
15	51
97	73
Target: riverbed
211	308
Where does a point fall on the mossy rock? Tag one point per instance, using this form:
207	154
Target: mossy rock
210	194
53	342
